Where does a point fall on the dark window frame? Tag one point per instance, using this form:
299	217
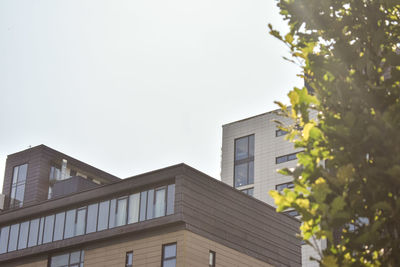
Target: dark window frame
290	185
165	188
280	132
212	254
81	258
128	253
246	191
290	213
12	202
247	161
75	215
163	252
287	157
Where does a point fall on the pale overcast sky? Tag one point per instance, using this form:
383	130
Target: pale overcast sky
131	86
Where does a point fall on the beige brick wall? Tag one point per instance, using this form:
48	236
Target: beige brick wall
197	252
146	251
192	251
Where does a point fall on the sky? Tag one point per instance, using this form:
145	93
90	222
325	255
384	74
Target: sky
130	86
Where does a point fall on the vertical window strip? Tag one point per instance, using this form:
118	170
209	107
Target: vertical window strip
129	259
244	161
212	259
18	185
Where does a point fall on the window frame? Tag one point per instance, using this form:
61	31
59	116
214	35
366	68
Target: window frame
169	258
165	188
290	186
280	132
290	213
247	191
127	264
212	254
81	258
248	160
37	231
17	184
287	157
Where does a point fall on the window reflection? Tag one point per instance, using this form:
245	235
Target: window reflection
244	161
107	214
23	235
18	185
159	203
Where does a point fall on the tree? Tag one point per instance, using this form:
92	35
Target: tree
347	182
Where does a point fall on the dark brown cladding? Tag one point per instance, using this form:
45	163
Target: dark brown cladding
40	159
203	206
220	213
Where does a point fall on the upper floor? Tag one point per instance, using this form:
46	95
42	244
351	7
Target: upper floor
253	149
40	173
174	198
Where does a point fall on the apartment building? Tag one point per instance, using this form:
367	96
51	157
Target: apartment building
253	149
59	211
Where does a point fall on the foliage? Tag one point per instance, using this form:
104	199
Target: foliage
347	182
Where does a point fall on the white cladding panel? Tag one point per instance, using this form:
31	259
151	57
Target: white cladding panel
266	148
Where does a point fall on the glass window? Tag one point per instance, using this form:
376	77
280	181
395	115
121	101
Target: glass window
48	229
134	201
4	239
70	224
23	235
159	202
169	255
18	185
73	259
251	146
107	214
286	158
111	222
292	157
143	201
121	211
41	228
171	199
241	174
92	218
150	205
250	173
241	148
80	221
104	209
280	187
244	161
13	240
280	132
129	259
55	173
33	233
19	194
59	226
281	159
22	173
60	260
211	261
249	191
292	213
